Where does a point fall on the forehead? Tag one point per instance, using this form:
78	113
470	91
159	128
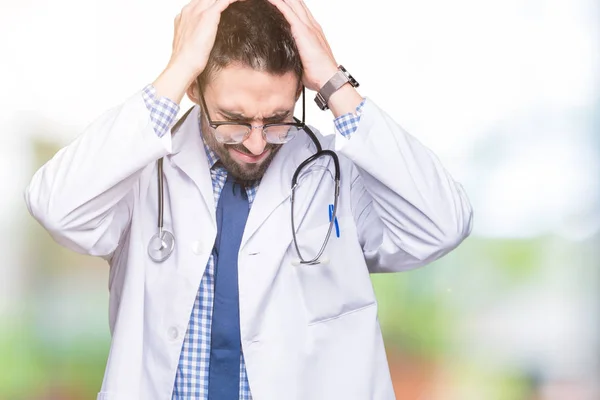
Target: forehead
251	92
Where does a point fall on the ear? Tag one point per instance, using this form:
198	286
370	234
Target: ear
193	92
299	91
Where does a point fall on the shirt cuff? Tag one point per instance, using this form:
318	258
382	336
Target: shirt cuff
163	110
347	124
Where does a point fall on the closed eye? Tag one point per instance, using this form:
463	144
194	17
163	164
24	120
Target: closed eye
238	119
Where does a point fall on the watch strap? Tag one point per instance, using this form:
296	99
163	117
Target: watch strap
339	79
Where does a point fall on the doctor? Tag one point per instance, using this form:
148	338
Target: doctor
235	312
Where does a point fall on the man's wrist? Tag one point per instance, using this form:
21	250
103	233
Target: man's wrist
344	101
173	82
336	82
327	74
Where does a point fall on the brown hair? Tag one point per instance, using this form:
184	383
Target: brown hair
253	33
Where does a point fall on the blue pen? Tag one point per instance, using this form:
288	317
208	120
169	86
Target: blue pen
337	226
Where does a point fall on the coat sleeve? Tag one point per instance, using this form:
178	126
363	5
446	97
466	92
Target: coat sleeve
84	195
407	208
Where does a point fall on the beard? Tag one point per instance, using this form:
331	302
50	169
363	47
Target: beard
245	173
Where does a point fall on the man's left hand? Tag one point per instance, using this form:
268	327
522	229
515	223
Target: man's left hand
315	53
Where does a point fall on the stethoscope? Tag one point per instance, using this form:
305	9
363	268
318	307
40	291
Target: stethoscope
162	243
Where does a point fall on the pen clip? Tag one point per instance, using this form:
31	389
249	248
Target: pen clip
337	226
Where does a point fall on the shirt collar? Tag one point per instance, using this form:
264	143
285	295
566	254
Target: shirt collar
211	156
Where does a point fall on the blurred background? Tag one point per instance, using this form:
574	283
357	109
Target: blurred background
505	92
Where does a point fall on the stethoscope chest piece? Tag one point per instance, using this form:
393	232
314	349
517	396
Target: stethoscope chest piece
161	246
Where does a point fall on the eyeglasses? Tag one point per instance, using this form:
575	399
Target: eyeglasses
229	132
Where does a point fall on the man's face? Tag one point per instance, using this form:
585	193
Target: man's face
241	94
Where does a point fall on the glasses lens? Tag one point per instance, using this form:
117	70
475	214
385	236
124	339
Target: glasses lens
230	134
280	133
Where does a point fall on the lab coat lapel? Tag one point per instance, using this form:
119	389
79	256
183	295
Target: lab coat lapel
275	186
190	157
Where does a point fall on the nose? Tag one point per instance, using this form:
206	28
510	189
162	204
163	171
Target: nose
255	142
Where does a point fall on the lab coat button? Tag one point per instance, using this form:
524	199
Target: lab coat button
173	333
197	247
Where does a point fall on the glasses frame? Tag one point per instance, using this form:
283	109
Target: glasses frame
300	124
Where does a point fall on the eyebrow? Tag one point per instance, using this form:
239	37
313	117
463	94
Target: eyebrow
232	116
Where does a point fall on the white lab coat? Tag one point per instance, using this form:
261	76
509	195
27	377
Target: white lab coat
308	332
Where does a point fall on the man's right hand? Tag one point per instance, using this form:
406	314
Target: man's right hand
195	31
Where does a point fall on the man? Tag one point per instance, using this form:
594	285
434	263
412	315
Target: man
236	312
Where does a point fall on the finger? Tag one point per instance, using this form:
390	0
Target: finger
220	5
313	23
201	5
299	11
287	12
300	8
310	16
303	12
192	5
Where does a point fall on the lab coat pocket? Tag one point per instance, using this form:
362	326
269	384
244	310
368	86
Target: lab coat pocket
340	283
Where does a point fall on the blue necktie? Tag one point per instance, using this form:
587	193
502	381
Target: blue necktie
225	349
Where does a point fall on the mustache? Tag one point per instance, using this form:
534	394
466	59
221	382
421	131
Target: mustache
242	149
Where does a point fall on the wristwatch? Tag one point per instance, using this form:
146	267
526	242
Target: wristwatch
333	85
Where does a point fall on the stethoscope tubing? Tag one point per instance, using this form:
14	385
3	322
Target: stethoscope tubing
320	153
167	246
161	207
